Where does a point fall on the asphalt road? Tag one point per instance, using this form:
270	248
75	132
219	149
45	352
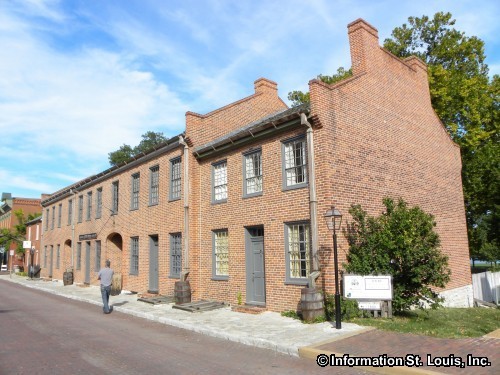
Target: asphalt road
41	333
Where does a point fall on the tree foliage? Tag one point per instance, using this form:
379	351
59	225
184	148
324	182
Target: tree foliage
402	243
149	140
467	102
17	234
298	97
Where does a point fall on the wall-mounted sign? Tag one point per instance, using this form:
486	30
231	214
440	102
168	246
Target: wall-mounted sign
368	287
26	244
88	236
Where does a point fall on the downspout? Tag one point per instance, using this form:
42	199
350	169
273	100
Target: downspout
313	202
185	256
73	203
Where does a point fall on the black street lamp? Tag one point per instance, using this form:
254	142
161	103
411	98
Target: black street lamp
333	219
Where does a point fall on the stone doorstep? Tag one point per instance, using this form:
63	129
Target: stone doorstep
248	309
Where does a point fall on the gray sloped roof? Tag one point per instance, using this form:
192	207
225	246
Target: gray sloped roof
254	127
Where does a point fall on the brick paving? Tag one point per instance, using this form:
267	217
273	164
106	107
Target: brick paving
375	343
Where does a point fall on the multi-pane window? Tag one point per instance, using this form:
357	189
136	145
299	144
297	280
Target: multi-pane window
58	256
134	255
252	170
175	179
97	265
53	217
154	184
134	199
78	255
70	211
294	163
175	254
297	252
89	205
80	208
98	204
219	181
59	215
220	254
114	197
47	213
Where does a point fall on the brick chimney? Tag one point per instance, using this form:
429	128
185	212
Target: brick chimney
363	41
264	85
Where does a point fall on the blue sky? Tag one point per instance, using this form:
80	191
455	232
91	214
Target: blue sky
79	78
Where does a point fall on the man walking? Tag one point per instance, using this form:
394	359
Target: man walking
106	277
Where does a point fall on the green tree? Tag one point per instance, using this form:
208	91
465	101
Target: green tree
17	234
149	140
467	102
401	242
299	97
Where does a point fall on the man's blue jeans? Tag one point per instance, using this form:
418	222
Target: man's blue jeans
105	290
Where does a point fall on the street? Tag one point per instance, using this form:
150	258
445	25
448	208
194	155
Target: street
42	333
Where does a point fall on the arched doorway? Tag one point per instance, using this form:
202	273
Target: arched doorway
66	263
114	251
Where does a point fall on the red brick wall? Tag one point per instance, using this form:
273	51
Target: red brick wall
161	220
381	137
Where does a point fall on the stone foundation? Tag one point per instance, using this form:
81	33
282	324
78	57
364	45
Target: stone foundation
458	297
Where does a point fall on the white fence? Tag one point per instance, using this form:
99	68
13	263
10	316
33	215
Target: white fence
486	286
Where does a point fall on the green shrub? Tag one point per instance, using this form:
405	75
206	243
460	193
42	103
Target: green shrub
348	308
401	242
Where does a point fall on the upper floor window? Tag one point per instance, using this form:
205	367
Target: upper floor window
89	205
134	199
294	163
175	179
252	174
98	205
47	213
114	197
219	182
80	208
70	211
53	217
59	216
154	184
220	256
297	247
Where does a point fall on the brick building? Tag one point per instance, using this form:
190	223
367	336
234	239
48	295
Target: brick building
235	203
8	220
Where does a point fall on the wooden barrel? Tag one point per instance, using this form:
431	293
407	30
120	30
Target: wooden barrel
182	292
116	286
311	303
68	278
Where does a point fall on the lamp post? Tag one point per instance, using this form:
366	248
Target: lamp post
333	219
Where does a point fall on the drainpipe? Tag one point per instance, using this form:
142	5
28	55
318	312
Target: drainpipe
313	201
74	192
185	256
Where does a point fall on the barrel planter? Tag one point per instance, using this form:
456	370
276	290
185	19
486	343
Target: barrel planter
182	292
116	285
68	278
311	303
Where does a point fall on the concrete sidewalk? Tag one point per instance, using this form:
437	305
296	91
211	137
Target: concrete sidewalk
267	330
